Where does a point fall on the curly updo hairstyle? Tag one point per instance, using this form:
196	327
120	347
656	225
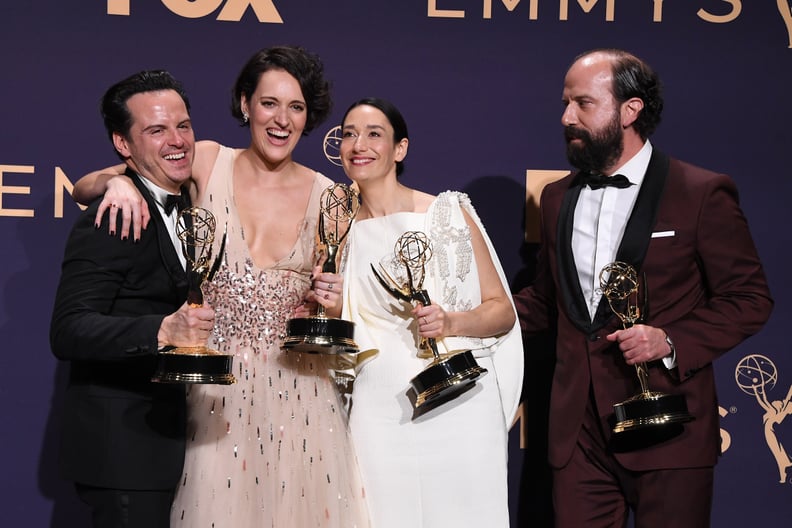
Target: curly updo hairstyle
304	66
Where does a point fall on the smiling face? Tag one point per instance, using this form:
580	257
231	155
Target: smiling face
368	149
278	113
160	144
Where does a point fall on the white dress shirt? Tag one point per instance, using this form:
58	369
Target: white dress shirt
170	220
600	219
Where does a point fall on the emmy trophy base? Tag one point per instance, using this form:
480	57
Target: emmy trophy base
320	335
445	377
650	409
194	365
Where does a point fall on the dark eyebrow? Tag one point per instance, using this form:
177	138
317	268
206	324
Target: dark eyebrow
277	100
368	127
154	126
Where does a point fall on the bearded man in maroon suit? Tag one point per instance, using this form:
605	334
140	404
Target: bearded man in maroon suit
681	228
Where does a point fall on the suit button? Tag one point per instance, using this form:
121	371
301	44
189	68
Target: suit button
593	337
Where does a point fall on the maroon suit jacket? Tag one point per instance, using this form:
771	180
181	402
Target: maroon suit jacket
706	289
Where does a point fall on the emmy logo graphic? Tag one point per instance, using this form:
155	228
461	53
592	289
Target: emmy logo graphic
332	145
756	375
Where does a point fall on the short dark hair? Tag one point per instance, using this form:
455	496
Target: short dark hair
395	118
114	109
632	77
304	66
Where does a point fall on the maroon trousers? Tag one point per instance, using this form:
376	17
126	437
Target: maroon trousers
594	491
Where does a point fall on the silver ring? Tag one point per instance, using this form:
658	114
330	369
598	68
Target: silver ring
329	285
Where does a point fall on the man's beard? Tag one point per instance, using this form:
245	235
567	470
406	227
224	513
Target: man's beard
598	152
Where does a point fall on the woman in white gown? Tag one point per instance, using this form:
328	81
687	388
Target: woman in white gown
447	466
273	449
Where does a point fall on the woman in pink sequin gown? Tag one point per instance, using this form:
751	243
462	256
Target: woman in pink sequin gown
273	449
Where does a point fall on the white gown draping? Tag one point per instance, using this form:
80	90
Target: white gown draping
447	467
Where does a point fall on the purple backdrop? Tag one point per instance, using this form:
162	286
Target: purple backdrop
479	82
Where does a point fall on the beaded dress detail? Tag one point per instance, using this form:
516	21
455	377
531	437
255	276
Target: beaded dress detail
273	449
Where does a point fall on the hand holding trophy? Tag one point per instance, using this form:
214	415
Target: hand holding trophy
620	286
444	377
196	230
320	333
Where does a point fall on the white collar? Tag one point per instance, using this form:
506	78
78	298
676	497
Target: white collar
160	195
635	168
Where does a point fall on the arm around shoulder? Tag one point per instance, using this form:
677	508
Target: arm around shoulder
206	152
94	184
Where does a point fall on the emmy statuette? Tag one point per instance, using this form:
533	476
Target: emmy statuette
196	230
620	286
446	376
319	333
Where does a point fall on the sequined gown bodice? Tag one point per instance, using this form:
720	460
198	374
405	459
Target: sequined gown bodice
273	449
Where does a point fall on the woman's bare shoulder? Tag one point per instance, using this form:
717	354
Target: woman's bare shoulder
422	200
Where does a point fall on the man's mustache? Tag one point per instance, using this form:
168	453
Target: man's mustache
571	132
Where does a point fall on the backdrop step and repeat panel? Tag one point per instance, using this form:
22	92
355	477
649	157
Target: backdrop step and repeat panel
479	82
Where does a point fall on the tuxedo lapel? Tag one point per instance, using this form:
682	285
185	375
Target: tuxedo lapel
632	249
166	249
568	281
638	231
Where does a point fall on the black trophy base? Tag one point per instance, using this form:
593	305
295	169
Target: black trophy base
445	378
650	409
320	335
194	365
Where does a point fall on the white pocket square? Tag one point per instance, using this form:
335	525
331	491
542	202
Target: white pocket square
663	234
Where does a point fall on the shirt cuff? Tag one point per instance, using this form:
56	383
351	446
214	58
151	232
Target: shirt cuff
670	361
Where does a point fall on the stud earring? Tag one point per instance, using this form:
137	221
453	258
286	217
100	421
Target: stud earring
245	117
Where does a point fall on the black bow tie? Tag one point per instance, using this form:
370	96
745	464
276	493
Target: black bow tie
598	181
175	201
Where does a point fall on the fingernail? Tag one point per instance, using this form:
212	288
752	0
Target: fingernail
96	226
124	238
112	233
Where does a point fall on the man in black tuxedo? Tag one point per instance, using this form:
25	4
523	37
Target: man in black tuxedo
118	303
